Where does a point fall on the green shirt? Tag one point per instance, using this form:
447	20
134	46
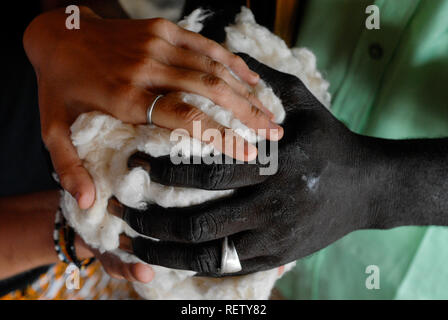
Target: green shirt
391	83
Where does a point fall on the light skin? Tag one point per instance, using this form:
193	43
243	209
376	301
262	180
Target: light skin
118	67
29	220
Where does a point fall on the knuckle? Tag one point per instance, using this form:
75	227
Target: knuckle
206	260
216	177
64	176
255	112
222	130
202	228
187	112
214	83
153	44
134	72
249	95
197	229
125	98
213	49
50	132
125	93
47	134
214	67
237	61
158	25
123	270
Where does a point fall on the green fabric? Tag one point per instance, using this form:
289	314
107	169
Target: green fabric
401	95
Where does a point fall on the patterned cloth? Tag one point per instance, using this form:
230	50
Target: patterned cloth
58	284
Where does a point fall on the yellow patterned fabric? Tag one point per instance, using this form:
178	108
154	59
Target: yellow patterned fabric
57	283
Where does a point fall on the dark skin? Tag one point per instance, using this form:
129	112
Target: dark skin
330	182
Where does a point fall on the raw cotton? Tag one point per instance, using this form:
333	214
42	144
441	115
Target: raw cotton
105	143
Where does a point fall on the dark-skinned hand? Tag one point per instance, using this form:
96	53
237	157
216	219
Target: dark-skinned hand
330	181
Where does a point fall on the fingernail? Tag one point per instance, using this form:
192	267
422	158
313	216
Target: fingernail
114	207
147	274
250	152
135	162
268	113
125	243
255	76
275	131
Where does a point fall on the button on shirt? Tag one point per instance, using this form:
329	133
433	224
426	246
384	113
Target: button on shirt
390	82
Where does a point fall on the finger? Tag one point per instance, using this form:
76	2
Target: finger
204	222
130	104
216	89
134	272
248	266
142	272
278	80
125	271
204	258
267	73
110	264
130	271
195	257
173	113
194	41
73	176
120	270
215	176
183	58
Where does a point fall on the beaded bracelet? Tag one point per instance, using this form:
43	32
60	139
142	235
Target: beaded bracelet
64	242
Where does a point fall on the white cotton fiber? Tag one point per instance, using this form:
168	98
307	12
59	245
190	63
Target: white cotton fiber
104	144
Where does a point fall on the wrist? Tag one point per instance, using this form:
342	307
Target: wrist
26	232
408	180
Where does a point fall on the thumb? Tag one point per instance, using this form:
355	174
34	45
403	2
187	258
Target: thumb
273	77
290	89
73	176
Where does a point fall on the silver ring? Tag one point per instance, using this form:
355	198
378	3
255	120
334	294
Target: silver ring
151	107
230	263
